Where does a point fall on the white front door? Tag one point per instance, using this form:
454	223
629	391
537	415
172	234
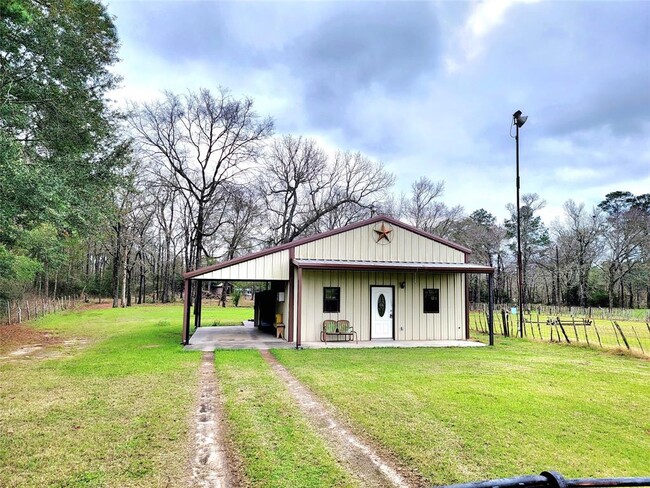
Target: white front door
381	312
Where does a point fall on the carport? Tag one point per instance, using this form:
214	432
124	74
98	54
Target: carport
267	266
245	336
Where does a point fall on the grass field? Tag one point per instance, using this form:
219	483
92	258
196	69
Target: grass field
108	412
468	414
113	408
601	334
213	314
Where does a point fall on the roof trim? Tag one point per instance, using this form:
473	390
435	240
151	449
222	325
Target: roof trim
392	266
322	235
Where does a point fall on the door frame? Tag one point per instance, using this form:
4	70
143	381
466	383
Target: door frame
392	287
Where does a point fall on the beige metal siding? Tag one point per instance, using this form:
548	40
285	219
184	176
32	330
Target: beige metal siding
411	323
359	244
271	267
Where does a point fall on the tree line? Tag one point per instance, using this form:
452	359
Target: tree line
119	203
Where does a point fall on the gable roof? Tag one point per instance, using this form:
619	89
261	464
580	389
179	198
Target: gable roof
315	237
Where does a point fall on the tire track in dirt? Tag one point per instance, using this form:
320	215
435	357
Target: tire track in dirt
210	467
362	460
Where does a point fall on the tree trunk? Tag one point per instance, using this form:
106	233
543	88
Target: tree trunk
47	281
142	284
173	276
629	287
124	279
56	283
116	265
557	277
621	301
610	293
223	294
128	287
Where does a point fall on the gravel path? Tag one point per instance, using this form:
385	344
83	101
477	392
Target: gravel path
210	466
366	463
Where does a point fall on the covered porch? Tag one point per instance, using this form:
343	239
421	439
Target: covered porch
247	336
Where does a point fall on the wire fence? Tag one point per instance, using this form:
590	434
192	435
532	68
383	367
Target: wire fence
19	311
584	330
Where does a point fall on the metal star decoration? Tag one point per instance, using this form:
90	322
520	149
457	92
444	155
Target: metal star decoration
382	233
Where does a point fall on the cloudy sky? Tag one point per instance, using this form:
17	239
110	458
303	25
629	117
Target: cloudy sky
428	88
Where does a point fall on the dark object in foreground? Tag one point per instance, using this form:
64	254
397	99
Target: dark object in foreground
553	479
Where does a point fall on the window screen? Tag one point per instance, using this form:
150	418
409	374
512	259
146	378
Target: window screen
431	300
332	299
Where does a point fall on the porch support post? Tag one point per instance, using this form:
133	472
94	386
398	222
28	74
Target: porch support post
299	307
491	308
290	321
197	308
466	301
186	312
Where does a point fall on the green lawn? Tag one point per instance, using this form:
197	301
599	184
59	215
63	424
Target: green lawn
213	314
112	413
274	441
468	414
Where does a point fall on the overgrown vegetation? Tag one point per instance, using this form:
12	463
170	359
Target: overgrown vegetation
613	334
60	153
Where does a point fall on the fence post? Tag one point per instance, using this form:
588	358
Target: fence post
638	340
575	330
563	331
622	335
597	333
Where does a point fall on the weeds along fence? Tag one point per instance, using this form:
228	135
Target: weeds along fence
564	311
570	329
18	311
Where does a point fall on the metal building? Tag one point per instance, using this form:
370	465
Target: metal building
388	279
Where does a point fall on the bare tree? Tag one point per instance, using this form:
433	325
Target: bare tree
423	209
579	237
626	235
203	141
302	188
534	236
481	233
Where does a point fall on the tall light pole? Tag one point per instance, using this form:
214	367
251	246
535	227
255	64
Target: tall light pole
519	120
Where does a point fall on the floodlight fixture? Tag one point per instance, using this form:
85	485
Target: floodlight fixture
519	119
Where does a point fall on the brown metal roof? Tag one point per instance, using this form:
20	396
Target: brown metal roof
315	237
392	266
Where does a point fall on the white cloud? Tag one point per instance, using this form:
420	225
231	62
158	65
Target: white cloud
484	17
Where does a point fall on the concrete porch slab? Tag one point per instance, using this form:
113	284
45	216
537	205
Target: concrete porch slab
247	336
389	343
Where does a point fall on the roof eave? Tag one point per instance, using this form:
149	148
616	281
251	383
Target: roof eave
282	247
